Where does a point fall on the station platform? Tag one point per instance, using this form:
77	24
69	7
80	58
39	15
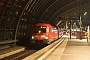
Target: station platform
71	49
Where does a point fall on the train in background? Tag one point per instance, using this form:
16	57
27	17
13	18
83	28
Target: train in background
44	33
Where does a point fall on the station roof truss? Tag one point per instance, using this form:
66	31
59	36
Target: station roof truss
17	16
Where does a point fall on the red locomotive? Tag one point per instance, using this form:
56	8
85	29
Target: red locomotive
44	33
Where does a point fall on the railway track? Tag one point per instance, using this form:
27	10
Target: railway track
20	55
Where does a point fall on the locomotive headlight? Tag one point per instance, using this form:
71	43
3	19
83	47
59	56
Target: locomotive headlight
32	37
46	37
43	36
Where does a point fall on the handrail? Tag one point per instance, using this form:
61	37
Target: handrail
7	41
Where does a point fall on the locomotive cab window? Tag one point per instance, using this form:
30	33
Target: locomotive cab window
40	29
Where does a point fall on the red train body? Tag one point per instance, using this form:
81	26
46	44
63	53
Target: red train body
44	33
